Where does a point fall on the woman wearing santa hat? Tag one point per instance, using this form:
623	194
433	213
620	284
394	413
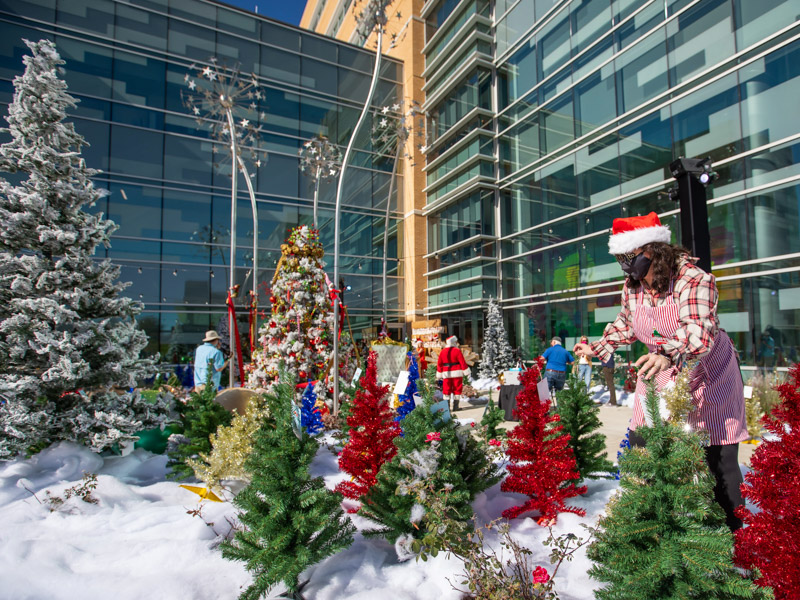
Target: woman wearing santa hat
451	368
670	305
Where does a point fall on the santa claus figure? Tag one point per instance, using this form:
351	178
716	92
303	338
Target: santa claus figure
451	368
419	346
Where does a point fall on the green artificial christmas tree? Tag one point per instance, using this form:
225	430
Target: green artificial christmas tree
430	448
292	521
663	536
492	417
580	419
200	417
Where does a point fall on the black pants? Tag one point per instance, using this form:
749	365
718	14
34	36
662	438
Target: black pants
723	462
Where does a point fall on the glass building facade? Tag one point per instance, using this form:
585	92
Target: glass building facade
566	114
126	62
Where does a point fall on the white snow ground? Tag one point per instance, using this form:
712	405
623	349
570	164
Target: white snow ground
140	542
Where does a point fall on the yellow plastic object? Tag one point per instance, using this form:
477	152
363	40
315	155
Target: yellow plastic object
204	493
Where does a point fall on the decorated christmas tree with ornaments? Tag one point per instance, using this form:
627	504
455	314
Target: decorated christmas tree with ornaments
299	331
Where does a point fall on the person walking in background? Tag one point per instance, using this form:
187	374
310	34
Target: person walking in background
208	356
585	366
555	370
670	305
608	375
451	368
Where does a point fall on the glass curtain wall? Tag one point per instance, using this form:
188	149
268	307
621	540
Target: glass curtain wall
126	63
596	99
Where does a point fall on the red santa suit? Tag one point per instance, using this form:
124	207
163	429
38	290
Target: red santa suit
423	364
451	367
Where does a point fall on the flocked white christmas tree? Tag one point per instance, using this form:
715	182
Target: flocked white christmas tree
496	354
298	333
67	337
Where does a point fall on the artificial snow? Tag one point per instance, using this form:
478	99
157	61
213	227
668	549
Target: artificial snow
140	541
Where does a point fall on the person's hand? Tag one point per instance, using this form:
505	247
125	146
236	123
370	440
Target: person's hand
583	350
651	364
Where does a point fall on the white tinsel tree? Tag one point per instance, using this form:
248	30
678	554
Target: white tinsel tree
298	333
69	344
496	354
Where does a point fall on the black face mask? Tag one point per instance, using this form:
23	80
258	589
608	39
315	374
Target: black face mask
636	268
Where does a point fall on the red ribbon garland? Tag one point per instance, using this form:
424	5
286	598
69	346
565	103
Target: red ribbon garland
232	313
252	321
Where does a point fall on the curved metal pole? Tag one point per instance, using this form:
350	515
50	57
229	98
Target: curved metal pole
316	197
254	206
337	219
386	227
234	177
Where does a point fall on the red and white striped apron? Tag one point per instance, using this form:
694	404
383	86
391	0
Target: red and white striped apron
716	382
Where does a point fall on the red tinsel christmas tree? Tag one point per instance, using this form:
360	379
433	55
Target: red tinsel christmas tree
770	540
372	431
543	465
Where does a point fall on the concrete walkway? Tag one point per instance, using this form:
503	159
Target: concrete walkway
614	421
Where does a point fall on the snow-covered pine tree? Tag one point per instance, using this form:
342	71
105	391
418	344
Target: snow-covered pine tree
496	354
299	330
67	336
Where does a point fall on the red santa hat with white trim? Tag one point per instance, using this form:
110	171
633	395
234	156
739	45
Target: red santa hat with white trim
634	232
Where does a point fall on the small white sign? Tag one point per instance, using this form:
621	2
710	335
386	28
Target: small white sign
544	390
748	391
356	377
402	383
511	377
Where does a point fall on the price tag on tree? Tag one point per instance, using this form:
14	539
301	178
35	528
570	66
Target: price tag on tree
402	383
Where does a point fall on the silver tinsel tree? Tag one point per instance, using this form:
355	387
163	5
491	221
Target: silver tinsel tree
496	354
69	344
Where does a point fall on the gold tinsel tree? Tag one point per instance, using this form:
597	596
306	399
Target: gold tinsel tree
230	447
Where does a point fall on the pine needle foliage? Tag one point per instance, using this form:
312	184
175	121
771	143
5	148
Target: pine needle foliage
580	419
493	416
663	536
200	417
291	520
463	471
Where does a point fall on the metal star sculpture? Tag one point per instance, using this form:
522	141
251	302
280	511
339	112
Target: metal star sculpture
320	159
213	93
374	15
393	128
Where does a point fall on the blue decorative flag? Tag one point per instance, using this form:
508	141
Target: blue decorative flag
310	417
406	401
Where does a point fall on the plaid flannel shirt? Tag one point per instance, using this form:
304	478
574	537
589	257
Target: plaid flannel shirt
695	292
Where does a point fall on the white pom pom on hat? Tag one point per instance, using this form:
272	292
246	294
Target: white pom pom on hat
634	232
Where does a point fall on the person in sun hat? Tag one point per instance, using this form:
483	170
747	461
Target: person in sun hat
670	305
451	368
206	356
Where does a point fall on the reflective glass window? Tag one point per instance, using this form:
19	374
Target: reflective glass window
136	152
136	209
141	27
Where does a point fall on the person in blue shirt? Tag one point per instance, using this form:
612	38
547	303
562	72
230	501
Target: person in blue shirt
555	370
208	355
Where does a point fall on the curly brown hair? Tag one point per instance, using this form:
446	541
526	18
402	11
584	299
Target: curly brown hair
665	260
